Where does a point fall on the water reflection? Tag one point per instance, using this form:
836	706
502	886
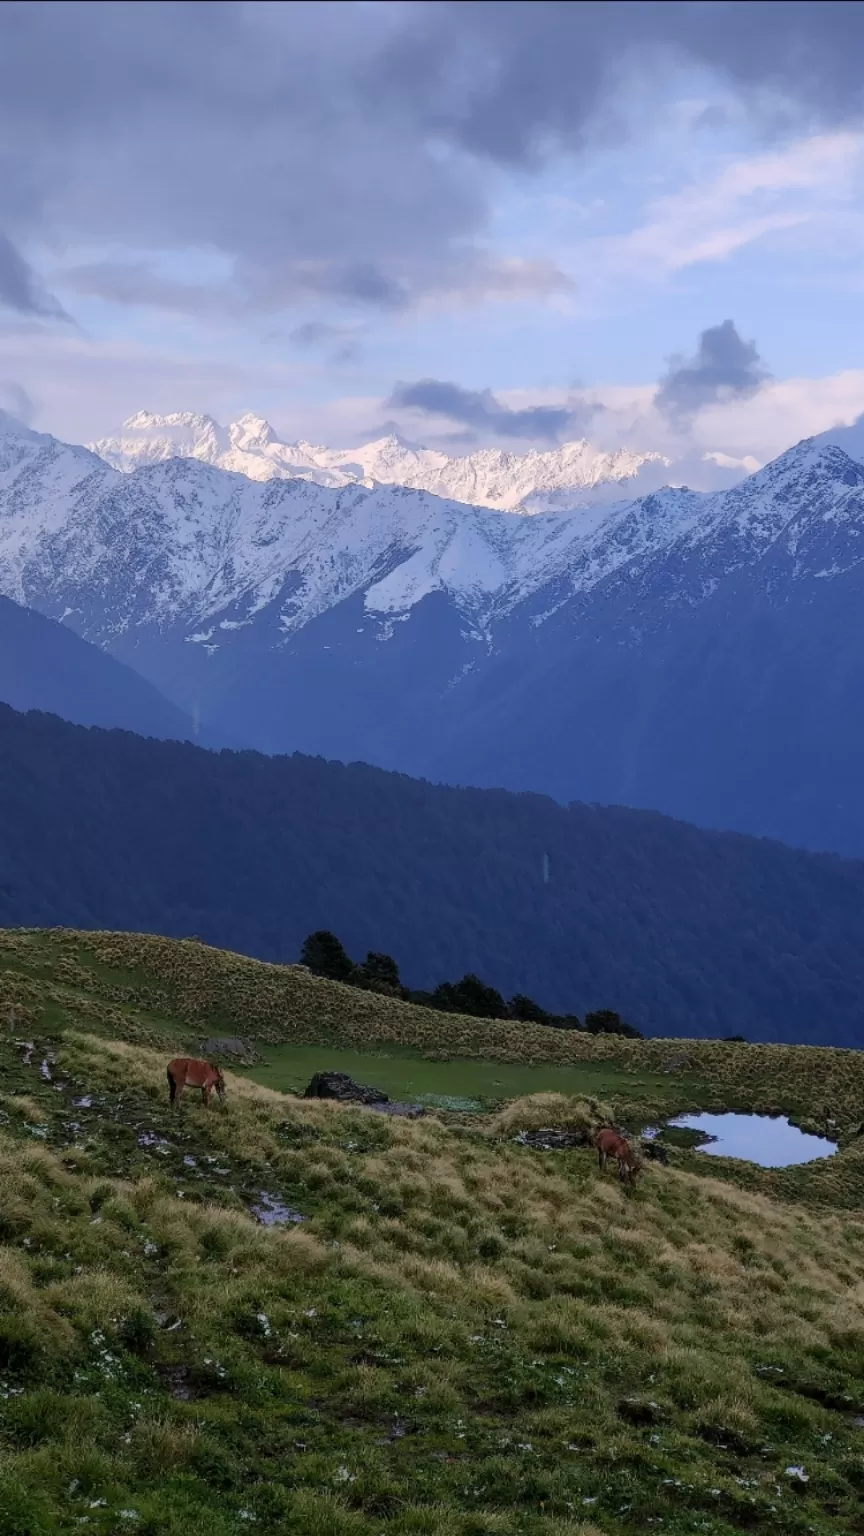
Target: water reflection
767	1140
273	1212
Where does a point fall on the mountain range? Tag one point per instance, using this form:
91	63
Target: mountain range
683	931
535	481
692	653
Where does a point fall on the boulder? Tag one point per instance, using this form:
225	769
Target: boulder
338	1085
553	1139
229	1045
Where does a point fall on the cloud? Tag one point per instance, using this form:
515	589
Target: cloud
15	400
482	411
518	81
751	197
141	283
724	368
20	289
344	339
343	150
314	332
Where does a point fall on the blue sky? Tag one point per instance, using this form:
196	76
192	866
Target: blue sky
295	209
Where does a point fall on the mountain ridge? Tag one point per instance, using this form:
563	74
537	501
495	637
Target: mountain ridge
45	666
534	481
682	651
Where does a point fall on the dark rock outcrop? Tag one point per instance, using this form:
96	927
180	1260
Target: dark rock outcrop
338	1085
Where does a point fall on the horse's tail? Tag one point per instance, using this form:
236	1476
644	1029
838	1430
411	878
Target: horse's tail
172	1085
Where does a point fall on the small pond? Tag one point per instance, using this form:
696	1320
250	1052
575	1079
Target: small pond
767	1140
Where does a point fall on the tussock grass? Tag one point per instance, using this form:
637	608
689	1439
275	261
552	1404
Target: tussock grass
537	1110
462	1336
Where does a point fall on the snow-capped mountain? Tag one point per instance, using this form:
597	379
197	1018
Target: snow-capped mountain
697	654
183	542
510	482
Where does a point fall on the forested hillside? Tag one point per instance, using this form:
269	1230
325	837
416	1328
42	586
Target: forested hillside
683	931
45	665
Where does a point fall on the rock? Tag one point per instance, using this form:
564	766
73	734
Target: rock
338	1085
553	1139
229	1045
408	1111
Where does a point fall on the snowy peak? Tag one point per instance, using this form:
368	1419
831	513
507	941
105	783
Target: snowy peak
532	482
189	541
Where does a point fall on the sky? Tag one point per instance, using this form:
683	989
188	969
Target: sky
481	224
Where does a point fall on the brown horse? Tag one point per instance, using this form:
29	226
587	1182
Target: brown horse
610	1144
186	1072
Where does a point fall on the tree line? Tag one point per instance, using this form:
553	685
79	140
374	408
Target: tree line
686	932
325	955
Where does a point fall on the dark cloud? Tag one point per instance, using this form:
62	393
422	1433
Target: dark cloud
480	410
320	149
725	367
20	288
515	80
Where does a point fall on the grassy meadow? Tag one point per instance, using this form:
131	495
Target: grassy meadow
405	1074
462	1336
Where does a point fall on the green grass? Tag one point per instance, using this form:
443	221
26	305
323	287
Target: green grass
464	1338
405	1074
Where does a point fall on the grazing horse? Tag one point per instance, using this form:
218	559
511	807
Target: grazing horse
186	1072
610	1144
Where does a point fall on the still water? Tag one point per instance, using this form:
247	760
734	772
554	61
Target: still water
770	1141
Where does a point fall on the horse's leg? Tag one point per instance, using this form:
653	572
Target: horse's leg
205	1095
172	1087
180	1086
601	1159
